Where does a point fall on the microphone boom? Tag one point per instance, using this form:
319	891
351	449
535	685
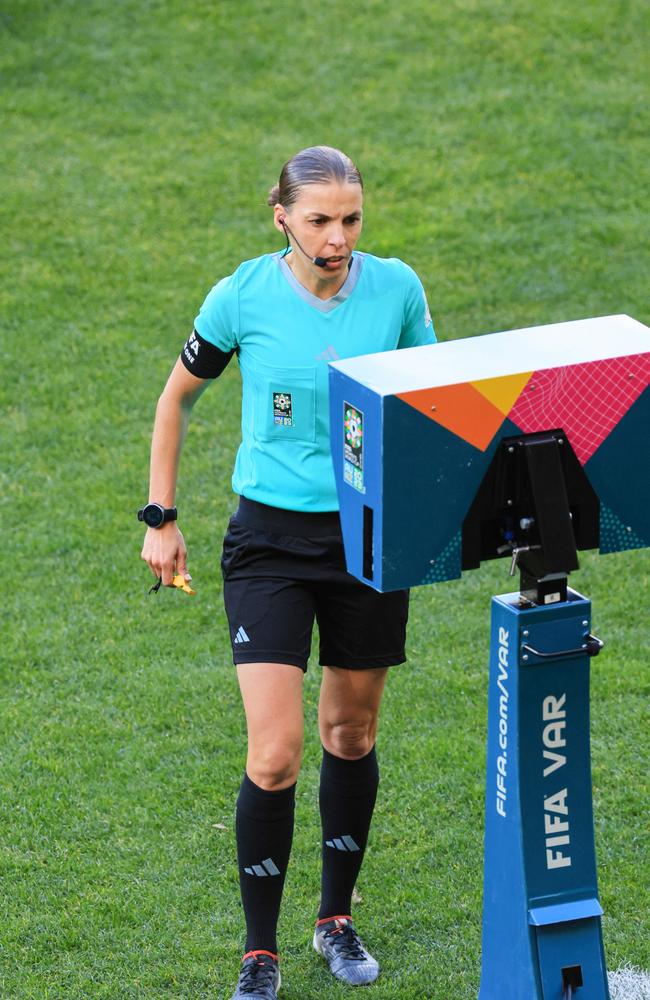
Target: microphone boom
318	261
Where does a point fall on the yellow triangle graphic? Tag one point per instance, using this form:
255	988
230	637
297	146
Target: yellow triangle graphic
503	392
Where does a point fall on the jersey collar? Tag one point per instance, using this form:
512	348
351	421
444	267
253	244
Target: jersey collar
323	305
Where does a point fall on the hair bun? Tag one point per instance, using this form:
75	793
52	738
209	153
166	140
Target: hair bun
274	195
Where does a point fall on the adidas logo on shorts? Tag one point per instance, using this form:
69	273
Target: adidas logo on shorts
241	635
345	843
267	867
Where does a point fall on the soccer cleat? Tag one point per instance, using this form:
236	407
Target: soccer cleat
259	978
337	941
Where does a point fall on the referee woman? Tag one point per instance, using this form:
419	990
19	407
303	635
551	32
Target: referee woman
285	315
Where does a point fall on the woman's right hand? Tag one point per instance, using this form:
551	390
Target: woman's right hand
164	548
165	553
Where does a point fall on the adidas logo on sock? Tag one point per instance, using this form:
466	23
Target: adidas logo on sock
345	843
241	635
267	867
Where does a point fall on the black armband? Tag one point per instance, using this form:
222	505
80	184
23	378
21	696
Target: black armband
202	358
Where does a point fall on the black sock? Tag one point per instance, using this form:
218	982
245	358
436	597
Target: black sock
264	828
348	789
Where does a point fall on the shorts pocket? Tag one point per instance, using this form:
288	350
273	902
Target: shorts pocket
235	544
284	404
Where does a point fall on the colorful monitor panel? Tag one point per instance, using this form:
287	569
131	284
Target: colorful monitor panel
414	431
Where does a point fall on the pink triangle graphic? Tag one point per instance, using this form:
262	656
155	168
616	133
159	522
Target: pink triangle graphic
587	401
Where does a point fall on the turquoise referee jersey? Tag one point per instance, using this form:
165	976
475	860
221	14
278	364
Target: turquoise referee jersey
284	338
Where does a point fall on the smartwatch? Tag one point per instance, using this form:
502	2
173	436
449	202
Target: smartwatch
155	515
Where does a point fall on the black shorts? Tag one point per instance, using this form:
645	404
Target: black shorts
282	569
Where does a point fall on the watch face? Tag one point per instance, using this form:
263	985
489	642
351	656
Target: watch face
153	515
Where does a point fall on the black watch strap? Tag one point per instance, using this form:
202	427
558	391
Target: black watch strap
155	515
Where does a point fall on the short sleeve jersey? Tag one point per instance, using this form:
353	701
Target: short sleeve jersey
284	337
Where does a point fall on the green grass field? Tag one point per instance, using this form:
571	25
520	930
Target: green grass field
505	152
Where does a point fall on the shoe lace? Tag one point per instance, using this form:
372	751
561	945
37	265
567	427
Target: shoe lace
256	974
348	943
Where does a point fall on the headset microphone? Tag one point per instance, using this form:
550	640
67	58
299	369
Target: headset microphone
318	261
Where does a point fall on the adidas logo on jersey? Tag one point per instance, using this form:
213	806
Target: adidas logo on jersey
267	867
241	635
329	354
345	843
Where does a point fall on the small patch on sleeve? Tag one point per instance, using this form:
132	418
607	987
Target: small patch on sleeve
427	311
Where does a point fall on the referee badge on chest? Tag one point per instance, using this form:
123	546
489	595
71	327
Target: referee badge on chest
282	409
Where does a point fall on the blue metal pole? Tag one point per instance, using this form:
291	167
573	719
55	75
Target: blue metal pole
541	916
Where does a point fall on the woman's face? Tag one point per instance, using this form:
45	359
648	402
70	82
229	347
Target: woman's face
326	221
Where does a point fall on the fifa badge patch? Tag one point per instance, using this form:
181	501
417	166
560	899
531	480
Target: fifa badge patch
353	447
282	409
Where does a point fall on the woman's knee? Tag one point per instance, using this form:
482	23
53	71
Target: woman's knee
274	766
349	740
